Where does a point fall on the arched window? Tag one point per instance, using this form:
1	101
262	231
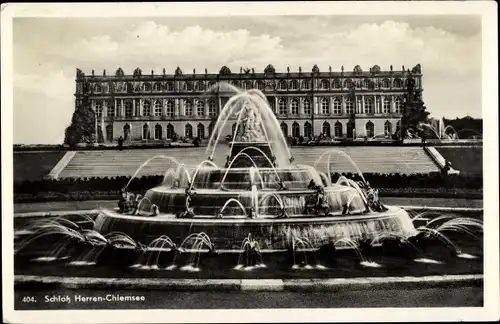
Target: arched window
146	134
294	85
200	130
109	133
248	85
369	128
170	108
326	129
306	84
307	129
348	83
157	87
386	106
128	109
261	85
188	108
284	129
126	132
307	107
349	107
282	107
110	109
98	88
337	106
325	106
398	106
188	131
158	108
387	129
200	108
200	86
385	83
397	83
212	108
350	129
336	84
98	109
170	86
235	83
170	131
369	106
338	129
282	85
211	129
146	86
295	106
324	85
158	132
188	86
295	130
146	108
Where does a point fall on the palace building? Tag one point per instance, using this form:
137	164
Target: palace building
338	104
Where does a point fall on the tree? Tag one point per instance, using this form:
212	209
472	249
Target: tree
414	110
83	122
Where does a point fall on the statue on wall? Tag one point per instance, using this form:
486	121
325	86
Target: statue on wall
137	72
300	69
315	69
119	72
79	74
178	71
269	69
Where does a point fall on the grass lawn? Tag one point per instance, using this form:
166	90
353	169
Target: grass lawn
33	166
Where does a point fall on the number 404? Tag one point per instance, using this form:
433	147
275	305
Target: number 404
29	299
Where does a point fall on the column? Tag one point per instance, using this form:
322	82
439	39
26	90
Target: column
206	108
301	106
393	105
104	108
344	108
176	107
381	110
122	108
116	109
164	107
276	109
363	105
315	105
220	105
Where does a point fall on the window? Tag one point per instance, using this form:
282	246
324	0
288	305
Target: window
188	131
248	85
188	86
385	83
338	129
111	109
126	132
369	106
397	83
145	87
348	83
295	107
201	131
158	108
98	109
295	130
325	107
109	133
349	107
326	129
200	108
170	131
350	129
157	87
337	84
200	86
170	108
306	84
235	83
294	85
145	132
212	108
98	88
261	85
282	85
324	85
337	106
307	130
386	106
366	83
146	108
284	129
307	107
398	105
188	106
282	107
387	129
170	86
128	109
369	127
158	132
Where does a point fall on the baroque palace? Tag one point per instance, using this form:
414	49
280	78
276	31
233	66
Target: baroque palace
342	104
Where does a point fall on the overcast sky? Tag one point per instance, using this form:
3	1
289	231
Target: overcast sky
47	52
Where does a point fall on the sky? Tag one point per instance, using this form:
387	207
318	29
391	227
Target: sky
47	52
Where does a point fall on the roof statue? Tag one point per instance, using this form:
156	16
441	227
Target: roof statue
137	72
224	70
315	69
269	69
178	71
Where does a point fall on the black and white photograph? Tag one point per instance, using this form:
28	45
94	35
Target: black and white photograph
248	162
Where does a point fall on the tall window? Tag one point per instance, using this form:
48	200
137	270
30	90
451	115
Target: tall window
349	107
109	132
110	109
369	109
369	127
188	131
261	85
200	108
337	106
387	128
295	130
366	83
201	130
146	108
158	108
326	130
397	83
98	109
325	106
170	86
188	86
294	85
348	83
338	129
128	109
324	85
146	86
282	107
158	132
98	88
284	129
157	87
170	131
126	132
398	105
200	86
295	107
385	83
306	84
337	84
387	106
282	85
170	108
307	107
307	129
145	132
350	129
188	106
212	108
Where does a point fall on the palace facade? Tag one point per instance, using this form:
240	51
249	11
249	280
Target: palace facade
343	104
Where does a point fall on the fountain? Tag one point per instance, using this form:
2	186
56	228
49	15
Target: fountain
259	190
